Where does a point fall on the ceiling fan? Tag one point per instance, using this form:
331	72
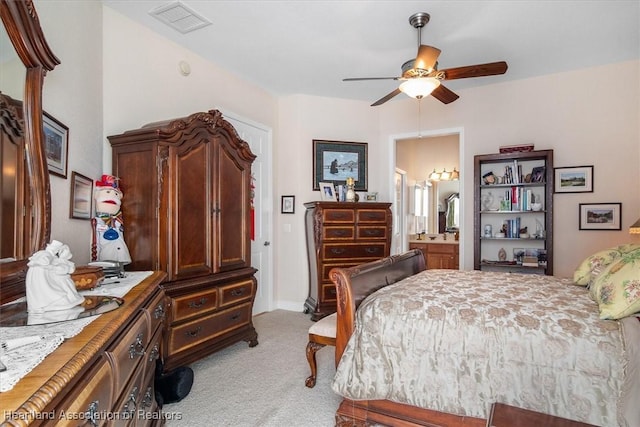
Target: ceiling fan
421	77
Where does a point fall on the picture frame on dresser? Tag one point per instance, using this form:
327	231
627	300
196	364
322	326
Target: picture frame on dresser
573	179
335	161
327	192
600	216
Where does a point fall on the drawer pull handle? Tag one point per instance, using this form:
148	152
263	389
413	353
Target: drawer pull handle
340	232
371	232
158	313
155	353
339	215
194	333
92	412
237	292
371	250
235	317
333	291
148	399
137	348
338	251
131	401
198	304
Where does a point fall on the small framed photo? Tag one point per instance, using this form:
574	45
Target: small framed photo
327	192
288	204
335	161
575	179
537	174
600	216
81	196
372	197
56	143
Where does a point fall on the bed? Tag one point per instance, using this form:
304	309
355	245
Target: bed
439	347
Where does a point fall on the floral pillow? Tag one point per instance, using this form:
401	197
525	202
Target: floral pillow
617	288
589	269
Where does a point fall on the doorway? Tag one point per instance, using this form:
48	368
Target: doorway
259	139
419	165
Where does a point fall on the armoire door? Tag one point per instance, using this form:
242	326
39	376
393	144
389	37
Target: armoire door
232	209
191	211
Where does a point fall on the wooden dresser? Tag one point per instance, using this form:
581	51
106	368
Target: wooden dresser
342	234
186	209
105	371
439	255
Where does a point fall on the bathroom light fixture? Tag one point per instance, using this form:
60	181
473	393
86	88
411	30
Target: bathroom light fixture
435	176
419	87
444	175
635	228
455	175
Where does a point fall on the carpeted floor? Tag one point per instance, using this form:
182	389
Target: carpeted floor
264	385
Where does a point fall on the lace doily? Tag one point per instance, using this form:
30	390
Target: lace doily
22	348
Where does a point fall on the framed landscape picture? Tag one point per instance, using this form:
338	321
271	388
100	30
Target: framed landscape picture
575	179
335	161
600	216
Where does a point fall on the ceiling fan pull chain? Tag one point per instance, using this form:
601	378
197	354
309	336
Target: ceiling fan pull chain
419	114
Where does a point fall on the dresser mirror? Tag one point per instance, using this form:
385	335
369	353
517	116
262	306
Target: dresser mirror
26	214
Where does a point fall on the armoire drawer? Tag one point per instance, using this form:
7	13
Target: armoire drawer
338	233
341	251
371	215
338	215
128	351
236	292
94	397
205	328
194	304
371	232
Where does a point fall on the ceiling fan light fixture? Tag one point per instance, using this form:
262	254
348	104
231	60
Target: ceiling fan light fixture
420	87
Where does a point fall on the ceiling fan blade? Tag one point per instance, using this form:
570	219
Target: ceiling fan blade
427	57
386	98
444	95
480	70
354	79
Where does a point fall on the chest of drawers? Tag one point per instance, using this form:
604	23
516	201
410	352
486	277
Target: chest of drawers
341	234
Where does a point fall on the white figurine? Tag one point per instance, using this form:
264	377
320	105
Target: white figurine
49	283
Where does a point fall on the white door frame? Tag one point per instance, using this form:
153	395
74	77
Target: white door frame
391	149
265	285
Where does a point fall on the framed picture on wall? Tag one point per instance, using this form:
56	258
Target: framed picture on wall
288	205
600	216
81	196
575	179
56	143
335	161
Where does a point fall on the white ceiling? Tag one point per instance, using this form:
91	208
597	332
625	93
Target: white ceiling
309	46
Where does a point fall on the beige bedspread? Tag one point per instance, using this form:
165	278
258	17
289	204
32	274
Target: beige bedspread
457	341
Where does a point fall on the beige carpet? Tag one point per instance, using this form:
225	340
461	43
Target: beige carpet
264	385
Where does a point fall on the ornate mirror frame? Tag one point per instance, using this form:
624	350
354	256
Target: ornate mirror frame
23	28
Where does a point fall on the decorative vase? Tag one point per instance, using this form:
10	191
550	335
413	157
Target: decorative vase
351	192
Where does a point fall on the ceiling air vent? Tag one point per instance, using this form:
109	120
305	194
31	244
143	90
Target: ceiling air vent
180	17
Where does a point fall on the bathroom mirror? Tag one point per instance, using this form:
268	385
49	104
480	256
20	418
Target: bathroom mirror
28	213
453	213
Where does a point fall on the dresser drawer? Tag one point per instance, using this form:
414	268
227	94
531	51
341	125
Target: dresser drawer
442	248
372	215
95	397
129	401
338	215
200	330
126	354
153	352
328	293
194	304
326	268
372	232
339	251
156	312
232	294
338	233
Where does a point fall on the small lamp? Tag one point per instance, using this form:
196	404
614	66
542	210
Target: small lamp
635	228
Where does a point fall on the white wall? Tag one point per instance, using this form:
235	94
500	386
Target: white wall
132	79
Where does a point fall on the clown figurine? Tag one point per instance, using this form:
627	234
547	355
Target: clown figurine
108	243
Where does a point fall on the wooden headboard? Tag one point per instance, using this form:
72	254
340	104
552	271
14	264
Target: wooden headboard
354	284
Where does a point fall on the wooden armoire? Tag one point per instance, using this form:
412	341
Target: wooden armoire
186	210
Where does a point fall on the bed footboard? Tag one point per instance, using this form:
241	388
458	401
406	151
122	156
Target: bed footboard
354	284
